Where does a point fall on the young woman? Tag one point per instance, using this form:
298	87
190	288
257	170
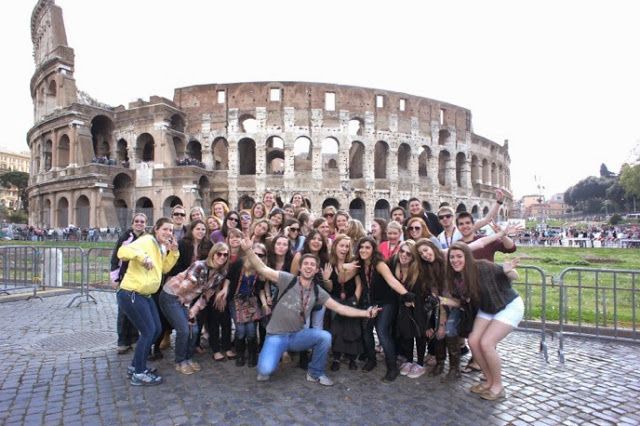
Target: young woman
245	223
340	222
219	209
355	229
379	288
379	230
199	282
269	201
232	220
149	257
242	288
322	225
500	309
260	231
213	224
298	201
258	211
304	218
289	211
390	247
292	230
329	213
127	333
346	331
196	213
417	228
276	217
411	322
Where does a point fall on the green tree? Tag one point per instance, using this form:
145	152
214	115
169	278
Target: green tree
630	179
18	179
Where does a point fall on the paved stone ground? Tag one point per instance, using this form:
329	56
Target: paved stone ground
59	365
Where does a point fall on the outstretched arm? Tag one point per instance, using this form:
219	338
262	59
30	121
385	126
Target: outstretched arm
396	285
262	269
347	311
492	213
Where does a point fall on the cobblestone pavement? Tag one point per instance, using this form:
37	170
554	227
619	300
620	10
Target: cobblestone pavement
59	365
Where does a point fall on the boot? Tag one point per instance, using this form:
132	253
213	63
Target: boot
240	345
166	340
392	371
454	359
440	350
252	348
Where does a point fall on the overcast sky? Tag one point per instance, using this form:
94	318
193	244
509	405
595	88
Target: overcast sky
559	79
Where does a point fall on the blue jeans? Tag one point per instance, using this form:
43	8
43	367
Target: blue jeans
452	322
308	338
383	323
143	313
243	329
178	316
316	318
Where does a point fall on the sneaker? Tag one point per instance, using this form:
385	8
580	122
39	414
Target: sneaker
263	378
131	369
194	365
145	379
184	368
406	368
416	371
323	380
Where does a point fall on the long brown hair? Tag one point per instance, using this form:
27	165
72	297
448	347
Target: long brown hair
414	266
333	255
425	229
433	274
469	273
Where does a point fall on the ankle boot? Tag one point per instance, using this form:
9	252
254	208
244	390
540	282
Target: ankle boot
240	360
440	350
454	358
392	371
252	348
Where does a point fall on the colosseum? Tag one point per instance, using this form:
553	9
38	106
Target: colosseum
357	148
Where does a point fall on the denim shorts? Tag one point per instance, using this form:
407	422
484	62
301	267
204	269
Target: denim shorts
511	314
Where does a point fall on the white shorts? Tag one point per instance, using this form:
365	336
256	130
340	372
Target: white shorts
511	314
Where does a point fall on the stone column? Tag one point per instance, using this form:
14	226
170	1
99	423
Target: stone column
206	142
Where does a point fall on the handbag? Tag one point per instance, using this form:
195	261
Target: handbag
246	309
467	318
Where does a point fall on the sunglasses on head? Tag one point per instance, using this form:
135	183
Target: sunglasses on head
221	254
180	214
444	216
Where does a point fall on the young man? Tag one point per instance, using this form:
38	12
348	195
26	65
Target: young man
285	331
398	214
465	225
415	209
178	218
269	201
451	234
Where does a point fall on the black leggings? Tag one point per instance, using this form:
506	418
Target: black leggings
406	348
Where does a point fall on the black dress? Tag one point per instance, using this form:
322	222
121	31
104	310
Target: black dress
346	331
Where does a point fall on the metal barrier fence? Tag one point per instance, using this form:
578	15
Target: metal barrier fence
588	302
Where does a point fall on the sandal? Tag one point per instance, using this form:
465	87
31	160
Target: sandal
230	355
478	388
470	368
490	396
218	357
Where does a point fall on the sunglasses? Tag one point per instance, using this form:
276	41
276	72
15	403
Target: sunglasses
329	215
260	254
406	253
294	229
444	216
180	214
233	219
139	221
245	217
415	228
219	254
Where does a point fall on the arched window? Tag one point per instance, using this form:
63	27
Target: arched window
302	155
63	151
485	172
461	208
169	203
247	156
381	209
475	169
63	213
83	208
101	136
357	209
145	205
356	157
331	202
460	160
145	147
275	156
329	153
355	126
122	151
220	149
443	160
177	123
380	155
404	157
443	137
194	150
248	123
47	154
178	145
423	161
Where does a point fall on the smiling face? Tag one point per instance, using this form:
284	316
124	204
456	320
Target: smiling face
342	248
178	217
375	230
139	223
234	241
164	233
366	250
405	256
415	230
268	200
393	235
218	210
308	267
199	232
288	211
465	226
398	216
456	259
297	200
212	224
281	246
260	229
276	220
220	258
315	243
324	229
341	223
258	211
196	215
415	208
426	253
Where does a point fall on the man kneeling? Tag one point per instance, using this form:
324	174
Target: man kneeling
285	331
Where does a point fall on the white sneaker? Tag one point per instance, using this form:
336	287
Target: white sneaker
323	380
416	371
406	368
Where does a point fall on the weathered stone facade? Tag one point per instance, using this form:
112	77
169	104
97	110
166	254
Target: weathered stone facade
357	148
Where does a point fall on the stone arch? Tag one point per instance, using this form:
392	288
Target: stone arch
246	202
331	202
381	209
145	147
494	174
356	157
220	149
404	157
194	150
178	145
485	172
423	161
329	153
380	156
500	176
53	89
102	135
177	123
356	126
122	150
443	160
475	169
46	213
426	206
461	208
83	209
248	123
63	212
122	212
475	211
145	205
64	151
460	160
485	211
204	189
357	209
302	151
275	155
444	136
247	156
47	154
404	204
169	203
122	186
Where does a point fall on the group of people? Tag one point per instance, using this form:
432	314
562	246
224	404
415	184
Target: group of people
287	282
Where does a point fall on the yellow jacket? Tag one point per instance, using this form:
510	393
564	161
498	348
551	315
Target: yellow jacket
138	278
